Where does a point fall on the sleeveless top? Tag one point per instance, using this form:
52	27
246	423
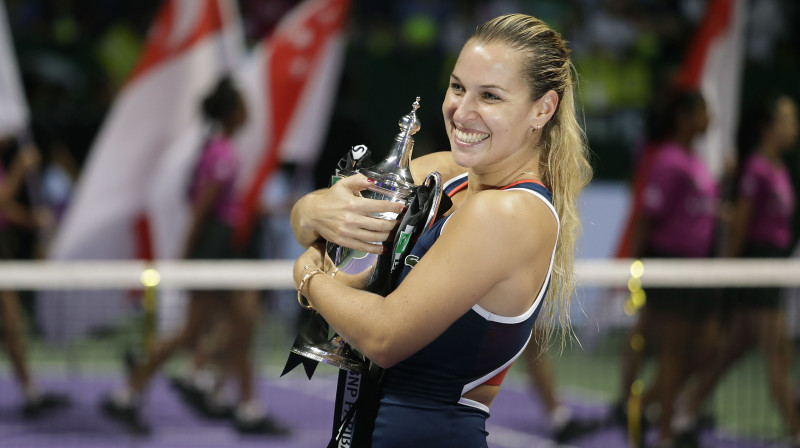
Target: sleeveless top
681	197
219	164
478	347
770	190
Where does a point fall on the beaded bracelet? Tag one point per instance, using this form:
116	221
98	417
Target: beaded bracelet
308	275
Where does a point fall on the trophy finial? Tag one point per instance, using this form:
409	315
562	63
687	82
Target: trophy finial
410	122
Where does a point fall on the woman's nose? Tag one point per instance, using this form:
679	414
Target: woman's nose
464	109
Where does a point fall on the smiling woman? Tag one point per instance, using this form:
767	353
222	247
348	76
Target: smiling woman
461	315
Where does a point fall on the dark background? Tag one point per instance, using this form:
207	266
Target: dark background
75	55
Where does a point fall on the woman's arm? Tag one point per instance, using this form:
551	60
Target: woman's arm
471	262
340	215
18	215
26	161
740	222
304	228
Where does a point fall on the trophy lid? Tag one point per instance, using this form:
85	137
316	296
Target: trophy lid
395	166
409	122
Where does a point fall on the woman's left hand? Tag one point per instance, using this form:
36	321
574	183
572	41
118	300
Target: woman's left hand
311	259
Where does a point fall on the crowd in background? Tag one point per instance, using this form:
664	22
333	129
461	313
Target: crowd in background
75	55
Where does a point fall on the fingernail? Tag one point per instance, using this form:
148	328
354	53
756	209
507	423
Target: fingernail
370	180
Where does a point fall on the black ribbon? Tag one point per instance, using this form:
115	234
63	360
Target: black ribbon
312	329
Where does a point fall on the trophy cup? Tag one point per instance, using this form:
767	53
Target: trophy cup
392	182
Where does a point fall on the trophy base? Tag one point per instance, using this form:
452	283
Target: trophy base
334	352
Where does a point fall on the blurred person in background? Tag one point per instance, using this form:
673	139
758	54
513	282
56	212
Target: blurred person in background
678	220
224	319
14	215
761	227
563	425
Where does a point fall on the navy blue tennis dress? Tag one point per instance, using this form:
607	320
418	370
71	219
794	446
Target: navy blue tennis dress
421	401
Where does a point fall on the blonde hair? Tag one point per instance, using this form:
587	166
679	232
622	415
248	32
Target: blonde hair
564	153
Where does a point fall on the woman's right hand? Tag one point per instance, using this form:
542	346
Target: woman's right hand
341	215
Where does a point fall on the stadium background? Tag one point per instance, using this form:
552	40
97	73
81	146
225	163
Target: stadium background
75	55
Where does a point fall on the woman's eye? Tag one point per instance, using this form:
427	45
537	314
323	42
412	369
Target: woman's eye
490	96
456	87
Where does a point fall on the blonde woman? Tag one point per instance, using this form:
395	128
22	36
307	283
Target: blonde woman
464	308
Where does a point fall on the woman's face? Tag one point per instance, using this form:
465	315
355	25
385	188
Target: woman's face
701	118
239	114
784	125
487	110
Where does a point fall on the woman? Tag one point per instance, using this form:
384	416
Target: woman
449	331
679	213
215	211
761	227
14	215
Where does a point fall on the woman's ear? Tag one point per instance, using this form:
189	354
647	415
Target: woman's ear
543	109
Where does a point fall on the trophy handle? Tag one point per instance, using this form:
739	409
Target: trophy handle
435	179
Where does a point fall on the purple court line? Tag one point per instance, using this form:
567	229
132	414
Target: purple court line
517	419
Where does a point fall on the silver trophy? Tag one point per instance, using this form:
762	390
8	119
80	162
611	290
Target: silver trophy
367	271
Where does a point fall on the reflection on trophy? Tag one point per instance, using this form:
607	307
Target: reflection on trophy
371	272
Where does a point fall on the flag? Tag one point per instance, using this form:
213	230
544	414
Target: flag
713	64
289	83
294	78
191	43
13	106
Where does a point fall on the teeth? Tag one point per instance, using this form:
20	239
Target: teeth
468	137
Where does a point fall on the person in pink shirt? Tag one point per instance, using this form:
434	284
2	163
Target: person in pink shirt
761	227
223	319
679	205
678	220
212	193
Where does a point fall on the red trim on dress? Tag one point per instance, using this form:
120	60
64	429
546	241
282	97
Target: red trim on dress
523	181
457	189
498	379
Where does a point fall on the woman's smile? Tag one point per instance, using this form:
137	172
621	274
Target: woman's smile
468	137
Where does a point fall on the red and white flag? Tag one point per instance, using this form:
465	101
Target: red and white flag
294	81
191	43
713	64
289	83
13	106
